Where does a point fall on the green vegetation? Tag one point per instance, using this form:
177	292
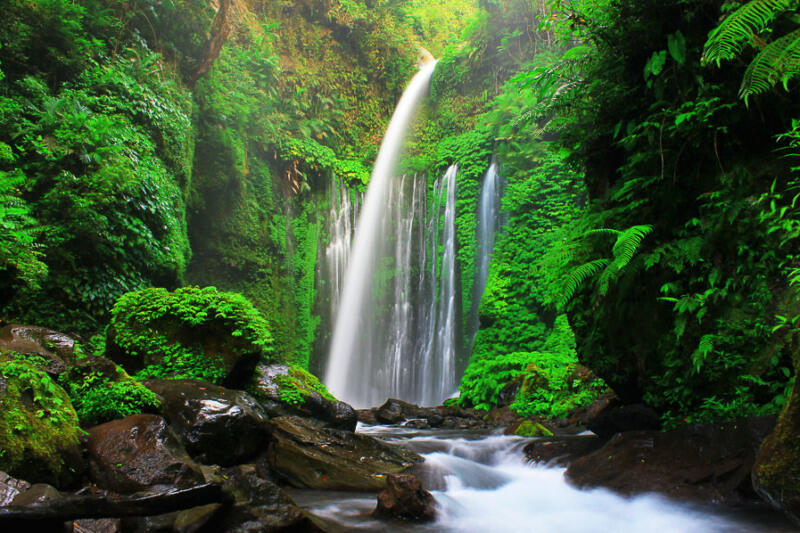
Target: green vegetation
39	432
295	387
190	333
650	188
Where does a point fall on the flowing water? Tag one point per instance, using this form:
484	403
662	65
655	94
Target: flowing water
483	485
395	324
489	222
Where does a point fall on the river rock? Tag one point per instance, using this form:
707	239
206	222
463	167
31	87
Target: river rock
611	421
776	473
259	505
708	463
55	348
216	425
137	453
38	493
561	451
284	390
40	436
306	456
404	498
10	487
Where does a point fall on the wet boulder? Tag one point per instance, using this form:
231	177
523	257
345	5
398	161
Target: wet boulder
705	463
561	451
286	390
216	425
405	499
306	456
776	473
259	505
54	350
137	453
607	422
39	431
10	487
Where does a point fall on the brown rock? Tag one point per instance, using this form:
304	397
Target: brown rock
56	348
307	456
217	425
10	487
404	498
137	453
561	451
708	463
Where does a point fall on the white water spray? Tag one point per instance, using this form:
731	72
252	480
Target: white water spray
343	361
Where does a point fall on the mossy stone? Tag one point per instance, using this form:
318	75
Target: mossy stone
529	428
39	430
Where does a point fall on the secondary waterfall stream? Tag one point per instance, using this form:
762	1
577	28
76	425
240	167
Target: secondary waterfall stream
395	330
482	484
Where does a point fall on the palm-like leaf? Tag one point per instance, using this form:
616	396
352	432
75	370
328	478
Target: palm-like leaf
779	61
728	39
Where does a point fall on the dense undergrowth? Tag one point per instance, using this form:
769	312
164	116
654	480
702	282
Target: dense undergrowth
650	214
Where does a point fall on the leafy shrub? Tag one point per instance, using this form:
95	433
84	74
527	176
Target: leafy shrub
190	333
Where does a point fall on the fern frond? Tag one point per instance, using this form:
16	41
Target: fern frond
603	231
779	61
728	39
628	243
578	276
700	355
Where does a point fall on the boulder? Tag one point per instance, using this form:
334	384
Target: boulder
39	430
191	332
561	451
286	390
776	473
56	349
395	411
306	456
404	498
708	463
10	487
610	421
38	493
216	425
137	453
529	428
259	505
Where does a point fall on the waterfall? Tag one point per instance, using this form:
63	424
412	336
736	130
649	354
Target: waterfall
440	360
359	371
488	224
341	224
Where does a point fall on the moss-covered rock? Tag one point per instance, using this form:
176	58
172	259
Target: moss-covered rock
39	431
290	390
776	472
529	428
194	333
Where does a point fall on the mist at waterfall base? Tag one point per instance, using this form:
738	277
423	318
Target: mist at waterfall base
483	484
395	323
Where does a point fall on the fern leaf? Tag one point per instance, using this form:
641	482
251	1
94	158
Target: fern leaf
728	39
779	61
578	276
603	231
628	243
700	355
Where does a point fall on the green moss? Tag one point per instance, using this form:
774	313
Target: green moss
189	333
528	428
39	431
295	387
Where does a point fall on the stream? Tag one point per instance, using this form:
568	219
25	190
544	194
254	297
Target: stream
482	483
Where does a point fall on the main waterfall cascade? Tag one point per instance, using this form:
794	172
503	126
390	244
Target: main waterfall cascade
407	335
358	370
